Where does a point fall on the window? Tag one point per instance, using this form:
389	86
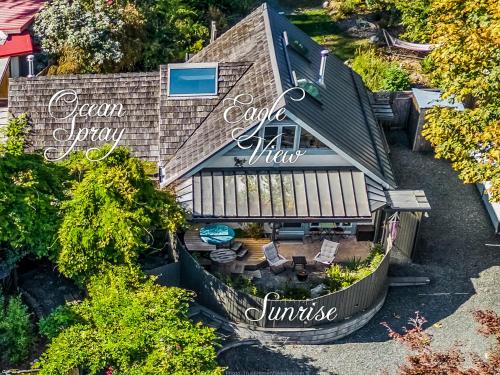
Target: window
270	136
307	140
287	137
192	79
281	136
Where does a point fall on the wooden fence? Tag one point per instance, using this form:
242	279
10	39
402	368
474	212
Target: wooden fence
232	304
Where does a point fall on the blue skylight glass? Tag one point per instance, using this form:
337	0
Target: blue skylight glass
187	81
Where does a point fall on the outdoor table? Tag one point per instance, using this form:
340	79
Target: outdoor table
299	260
223	259
327	229
217	234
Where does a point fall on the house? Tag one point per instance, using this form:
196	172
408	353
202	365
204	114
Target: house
15	40
261	126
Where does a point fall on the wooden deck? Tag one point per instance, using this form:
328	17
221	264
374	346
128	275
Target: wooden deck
255	257
193	241
349	248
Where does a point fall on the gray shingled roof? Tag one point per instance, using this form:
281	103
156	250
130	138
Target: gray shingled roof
248	42
180	134
344	119
138	92
179	118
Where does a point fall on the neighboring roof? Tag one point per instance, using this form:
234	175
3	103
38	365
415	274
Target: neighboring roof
138	92
408	200
322	194
16	15
17	45
345	120
432	98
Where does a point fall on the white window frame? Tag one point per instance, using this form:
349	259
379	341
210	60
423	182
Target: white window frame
193	66
296	135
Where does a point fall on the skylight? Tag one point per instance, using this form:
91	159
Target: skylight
192	79
310	88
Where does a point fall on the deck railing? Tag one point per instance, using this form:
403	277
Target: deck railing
232	304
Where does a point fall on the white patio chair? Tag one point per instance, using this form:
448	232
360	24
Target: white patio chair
276	261
327	252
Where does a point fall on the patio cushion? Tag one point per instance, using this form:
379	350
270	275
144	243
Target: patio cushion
329	248
271	252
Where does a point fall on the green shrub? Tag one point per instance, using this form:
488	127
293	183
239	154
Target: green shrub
354	263
338	277
379	74
15	330
58	320
112	210
342	8
31	190
396	79
295	293
137	327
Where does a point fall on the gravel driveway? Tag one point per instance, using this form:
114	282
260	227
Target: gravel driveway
464	274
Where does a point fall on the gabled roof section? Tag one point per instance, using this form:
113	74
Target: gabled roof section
344	117
247	42
180	117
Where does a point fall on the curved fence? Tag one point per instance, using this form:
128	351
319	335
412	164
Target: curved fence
242	307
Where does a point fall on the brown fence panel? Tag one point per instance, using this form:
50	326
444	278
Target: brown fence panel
232	304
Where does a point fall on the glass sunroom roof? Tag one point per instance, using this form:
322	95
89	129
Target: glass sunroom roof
192	79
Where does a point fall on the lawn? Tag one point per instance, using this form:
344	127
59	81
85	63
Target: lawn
319	25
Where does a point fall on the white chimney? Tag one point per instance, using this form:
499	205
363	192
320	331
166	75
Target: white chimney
213	32
31	69
322	67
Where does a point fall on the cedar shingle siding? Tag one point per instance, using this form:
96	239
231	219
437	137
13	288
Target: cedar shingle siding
138	92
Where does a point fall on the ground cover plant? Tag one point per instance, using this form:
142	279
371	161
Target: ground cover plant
320	26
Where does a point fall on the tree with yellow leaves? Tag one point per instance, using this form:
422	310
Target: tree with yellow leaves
466	66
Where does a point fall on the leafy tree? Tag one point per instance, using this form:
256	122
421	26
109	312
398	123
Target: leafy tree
31	191
15	330
112	211
174	28
466	65
91	36
130	325
414	17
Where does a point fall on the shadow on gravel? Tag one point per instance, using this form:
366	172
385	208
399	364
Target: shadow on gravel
261	360
452	251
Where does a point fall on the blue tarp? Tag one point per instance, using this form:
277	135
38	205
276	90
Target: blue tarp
217	234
